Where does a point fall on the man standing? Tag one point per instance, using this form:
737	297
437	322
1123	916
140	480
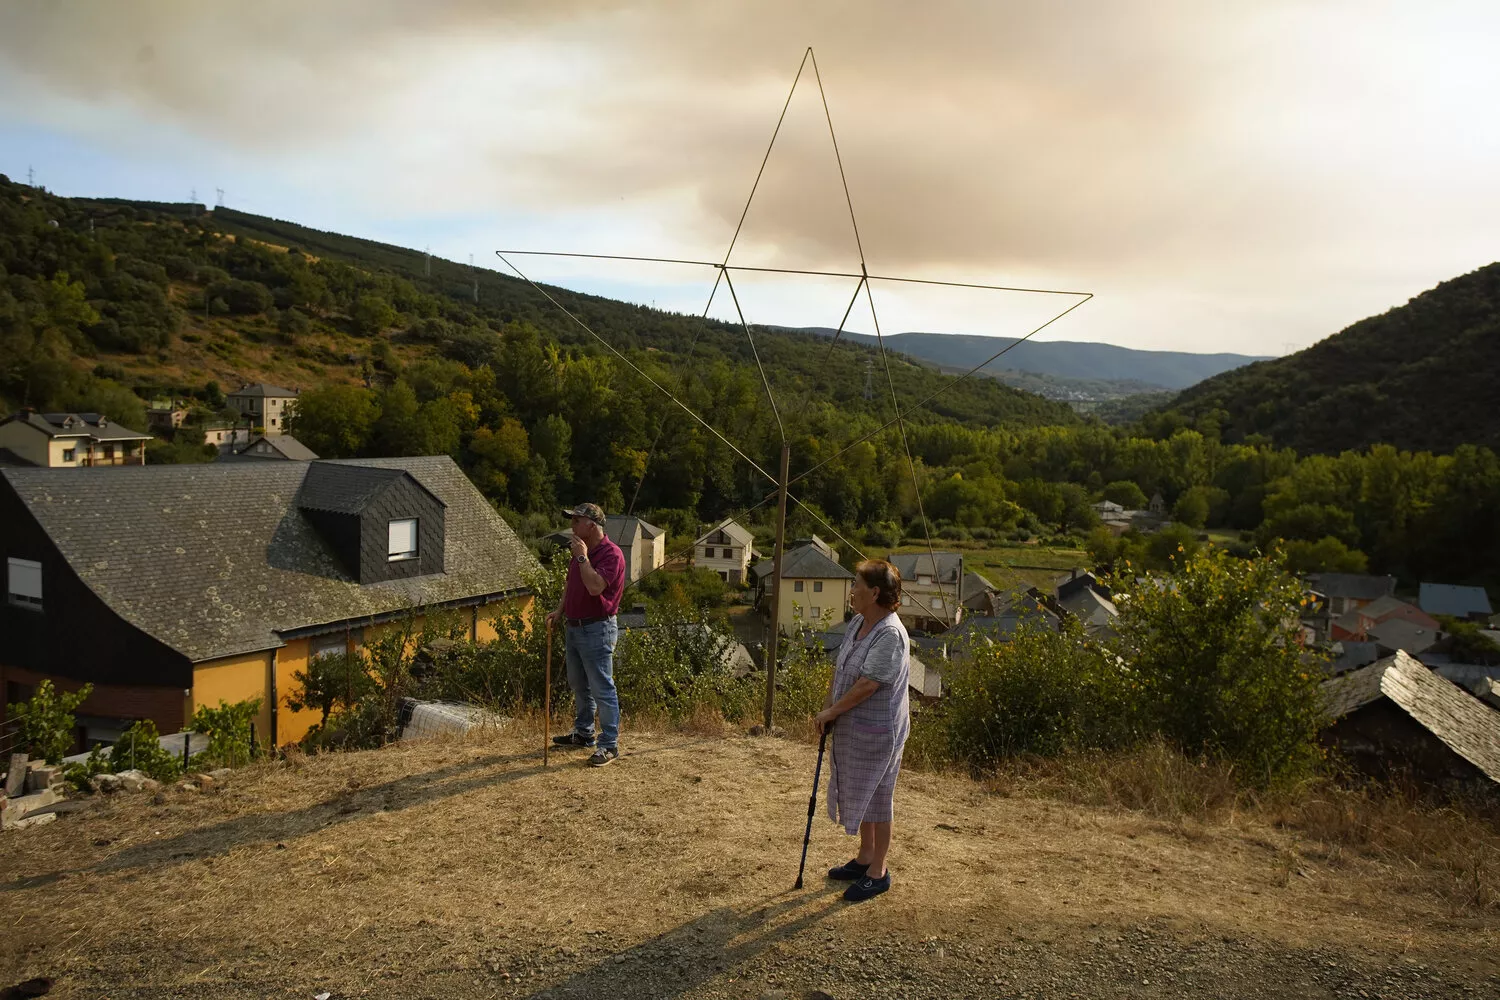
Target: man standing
596	579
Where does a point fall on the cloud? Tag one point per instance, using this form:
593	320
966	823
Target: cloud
1225	148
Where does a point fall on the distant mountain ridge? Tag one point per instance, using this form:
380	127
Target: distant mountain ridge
1148	370
1422	376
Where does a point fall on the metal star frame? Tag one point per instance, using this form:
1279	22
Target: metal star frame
724	275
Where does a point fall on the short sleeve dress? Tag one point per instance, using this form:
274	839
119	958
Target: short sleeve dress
868	740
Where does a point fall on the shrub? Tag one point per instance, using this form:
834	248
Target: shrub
80	773
1219	665
677	665
140	747
228	730
1043	692
45	723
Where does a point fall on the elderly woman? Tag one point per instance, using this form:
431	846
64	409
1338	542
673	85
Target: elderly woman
867	711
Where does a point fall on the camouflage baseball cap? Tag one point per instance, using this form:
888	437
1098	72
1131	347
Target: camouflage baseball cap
592	511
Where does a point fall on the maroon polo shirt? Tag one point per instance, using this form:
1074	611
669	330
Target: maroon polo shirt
609	562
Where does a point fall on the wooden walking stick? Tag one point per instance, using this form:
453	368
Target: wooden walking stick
547	702
812	806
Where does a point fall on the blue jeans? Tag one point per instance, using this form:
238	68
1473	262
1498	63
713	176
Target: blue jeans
591	674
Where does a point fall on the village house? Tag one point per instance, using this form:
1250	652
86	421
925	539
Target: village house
643	545
1346	591
932	592
814	585
171	587
981	597
727	549
165	415
265	406
69	440
270	447
1470	603
1357	623
1397	717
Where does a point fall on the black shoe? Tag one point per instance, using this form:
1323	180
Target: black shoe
867	887
572	740
849	871
603	755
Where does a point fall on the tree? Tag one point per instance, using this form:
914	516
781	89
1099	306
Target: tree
335	421
1192	507
1326	555
372	314
329	683
1127	494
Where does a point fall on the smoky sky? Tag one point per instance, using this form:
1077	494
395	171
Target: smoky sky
1278	168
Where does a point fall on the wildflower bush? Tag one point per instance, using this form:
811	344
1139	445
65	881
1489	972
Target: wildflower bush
1218	666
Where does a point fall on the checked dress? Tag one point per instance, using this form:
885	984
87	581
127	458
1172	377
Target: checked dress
869	738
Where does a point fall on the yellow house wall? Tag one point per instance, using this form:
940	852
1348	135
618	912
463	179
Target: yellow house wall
794	607
235	678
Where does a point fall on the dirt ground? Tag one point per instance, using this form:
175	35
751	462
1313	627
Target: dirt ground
464	869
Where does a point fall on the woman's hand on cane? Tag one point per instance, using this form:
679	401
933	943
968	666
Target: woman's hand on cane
824	719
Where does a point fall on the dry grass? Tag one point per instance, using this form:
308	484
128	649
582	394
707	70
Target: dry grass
466	859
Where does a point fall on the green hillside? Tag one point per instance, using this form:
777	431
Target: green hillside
1422	376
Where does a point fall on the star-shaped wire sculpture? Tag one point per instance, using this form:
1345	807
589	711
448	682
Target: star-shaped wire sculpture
724	275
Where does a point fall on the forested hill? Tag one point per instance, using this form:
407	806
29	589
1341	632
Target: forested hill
1152	370
1422	376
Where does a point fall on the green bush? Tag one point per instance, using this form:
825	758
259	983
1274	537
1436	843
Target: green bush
1215	651
677	665
1043	692
1206	659
45	723
139	747
228	729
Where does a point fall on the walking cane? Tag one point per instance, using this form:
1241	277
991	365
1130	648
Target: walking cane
547	702
812	806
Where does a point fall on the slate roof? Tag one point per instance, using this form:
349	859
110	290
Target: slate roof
738	532
1398	633
217	559
1351	655
85	425
1353	586
1386	606
1094	611
345	487
914	564
806	562
621	529
1468	727
262	390
283	446
1447	599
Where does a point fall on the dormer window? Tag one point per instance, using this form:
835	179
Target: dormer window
402	540
24	582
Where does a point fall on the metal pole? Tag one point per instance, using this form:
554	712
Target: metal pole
547	702
773	648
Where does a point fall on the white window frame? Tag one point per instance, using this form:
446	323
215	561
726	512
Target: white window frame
23	582
392	540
